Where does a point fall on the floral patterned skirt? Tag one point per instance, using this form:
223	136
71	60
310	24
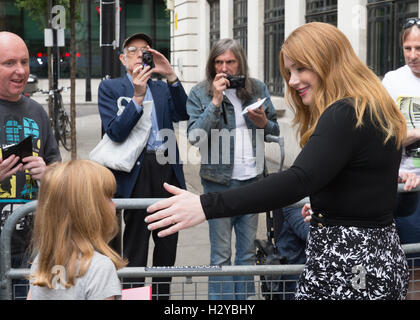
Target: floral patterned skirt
353	263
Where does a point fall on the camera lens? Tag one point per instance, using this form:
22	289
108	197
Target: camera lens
148	59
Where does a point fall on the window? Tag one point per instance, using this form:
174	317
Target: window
385	21
273	39
240	22
148	16
214	21
322	11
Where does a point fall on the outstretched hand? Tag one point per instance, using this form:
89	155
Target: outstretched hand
181	211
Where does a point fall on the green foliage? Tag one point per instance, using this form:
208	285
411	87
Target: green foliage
38	10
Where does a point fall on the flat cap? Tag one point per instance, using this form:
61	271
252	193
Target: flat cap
142	36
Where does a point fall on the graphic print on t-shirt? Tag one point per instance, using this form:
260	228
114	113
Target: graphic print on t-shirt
13	130
410	109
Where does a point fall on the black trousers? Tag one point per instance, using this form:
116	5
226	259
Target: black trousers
136	235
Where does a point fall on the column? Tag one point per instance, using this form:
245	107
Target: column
256	39
352	21
226	19
295	11
185	33
204	38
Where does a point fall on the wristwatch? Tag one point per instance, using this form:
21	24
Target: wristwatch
172	82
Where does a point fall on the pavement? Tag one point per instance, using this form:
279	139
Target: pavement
193	243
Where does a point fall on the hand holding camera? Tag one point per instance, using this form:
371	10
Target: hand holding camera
159	64
220	85
236	82
147	58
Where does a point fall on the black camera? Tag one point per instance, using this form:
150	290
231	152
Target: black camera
236	82
148	59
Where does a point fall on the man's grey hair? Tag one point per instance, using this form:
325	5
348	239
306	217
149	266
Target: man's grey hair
220	47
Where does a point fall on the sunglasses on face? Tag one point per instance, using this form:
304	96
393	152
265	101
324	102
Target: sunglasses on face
411	22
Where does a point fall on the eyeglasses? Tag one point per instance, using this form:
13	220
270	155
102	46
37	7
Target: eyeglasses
133	50
411	22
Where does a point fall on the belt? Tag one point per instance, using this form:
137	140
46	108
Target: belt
320	220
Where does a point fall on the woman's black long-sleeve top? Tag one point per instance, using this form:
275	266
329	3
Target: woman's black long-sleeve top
349	173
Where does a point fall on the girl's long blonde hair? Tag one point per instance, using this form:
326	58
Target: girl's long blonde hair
73	219
324	49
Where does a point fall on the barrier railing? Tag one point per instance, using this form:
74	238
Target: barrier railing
7	273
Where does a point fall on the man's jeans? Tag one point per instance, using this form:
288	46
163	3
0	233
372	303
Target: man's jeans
291	244
407	221
231	287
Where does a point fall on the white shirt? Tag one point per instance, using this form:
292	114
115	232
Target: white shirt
244	164
402	82
404	88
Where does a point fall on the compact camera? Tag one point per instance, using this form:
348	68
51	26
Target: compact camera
148	59
236	82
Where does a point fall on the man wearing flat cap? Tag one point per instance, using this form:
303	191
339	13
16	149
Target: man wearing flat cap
167	99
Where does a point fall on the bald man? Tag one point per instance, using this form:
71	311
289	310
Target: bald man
21	117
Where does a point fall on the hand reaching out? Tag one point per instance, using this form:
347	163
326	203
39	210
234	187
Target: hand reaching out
181	211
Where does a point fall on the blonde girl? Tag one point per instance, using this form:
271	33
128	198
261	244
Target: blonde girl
75	219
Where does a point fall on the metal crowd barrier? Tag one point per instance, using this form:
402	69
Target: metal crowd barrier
7	273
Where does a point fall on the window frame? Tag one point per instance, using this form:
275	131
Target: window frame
214	33
240	22
389	56
322	11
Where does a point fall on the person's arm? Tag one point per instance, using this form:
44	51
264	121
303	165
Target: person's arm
177	102
265	117
203	118
49	152
314	167
272	127
117	127
413	135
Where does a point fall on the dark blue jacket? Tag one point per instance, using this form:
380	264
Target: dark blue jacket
170	105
